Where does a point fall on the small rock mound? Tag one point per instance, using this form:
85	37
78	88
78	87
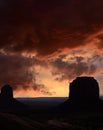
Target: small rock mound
8	102
7	92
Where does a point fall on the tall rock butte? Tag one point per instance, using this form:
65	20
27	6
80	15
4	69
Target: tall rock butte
83	96
84	89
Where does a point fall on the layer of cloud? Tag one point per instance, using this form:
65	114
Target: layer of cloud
45	27
19	71
15	69
74	67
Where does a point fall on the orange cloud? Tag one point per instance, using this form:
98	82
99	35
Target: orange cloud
44	27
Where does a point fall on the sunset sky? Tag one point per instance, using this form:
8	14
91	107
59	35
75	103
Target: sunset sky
45	44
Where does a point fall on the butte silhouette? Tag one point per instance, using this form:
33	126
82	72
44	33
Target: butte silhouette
7	101
83	96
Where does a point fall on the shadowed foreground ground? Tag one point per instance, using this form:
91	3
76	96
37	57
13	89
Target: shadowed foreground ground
71	122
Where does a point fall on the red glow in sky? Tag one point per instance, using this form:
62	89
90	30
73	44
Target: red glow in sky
46	44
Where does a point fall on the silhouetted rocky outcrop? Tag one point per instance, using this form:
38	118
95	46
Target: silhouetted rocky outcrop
83	96
8	102
84	89
7	92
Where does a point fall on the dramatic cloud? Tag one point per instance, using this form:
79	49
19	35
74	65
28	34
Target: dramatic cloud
16	69
74	67
69	32
19	71
45	27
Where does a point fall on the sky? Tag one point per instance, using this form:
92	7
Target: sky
44	45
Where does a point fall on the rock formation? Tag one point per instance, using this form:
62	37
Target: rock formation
84	89
7	102
7	92
83	96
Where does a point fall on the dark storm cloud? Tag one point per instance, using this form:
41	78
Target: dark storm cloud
42	88
45	27
19	71
65	70
15	69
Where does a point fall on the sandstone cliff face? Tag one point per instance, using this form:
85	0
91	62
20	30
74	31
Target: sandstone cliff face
84	89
